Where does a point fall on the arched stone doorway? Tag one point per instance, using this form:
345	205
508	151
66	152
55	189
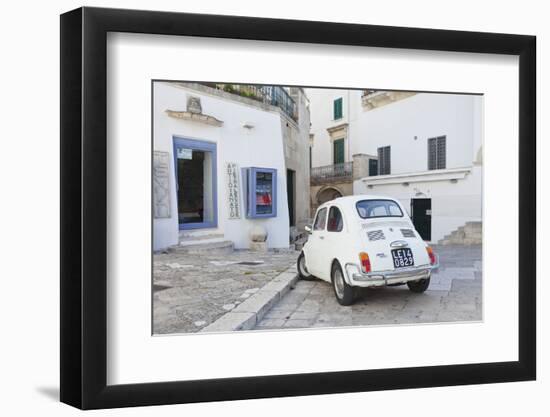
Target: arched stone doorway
327	194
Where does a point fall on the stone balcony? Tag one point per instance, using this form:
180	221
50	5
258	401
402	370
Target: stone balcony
332	173
372	99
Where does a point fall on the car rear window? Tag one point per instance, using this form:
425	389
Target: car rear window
368	209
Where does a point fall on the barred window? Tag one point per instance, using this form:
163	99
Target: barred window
437	153
384	160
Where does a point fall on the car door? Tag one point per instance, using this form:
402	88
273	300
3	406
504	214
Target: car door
315	246
333	240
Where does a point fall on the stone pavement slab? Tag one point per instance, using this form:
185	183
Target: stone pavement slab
455	294
190	292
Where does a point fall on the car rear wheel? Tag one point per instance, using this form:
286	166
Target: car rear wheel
343	291
302	269
419	286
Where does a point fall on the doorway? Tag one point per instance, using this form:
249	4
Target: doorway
421	213
291	192
195	164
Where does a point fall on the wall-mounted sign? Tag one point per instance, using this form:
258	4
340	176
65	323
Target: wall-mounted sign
184	153
161	185
233	190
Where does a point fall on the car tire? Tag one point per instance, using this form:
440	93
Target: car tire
419	286
342	291
302	269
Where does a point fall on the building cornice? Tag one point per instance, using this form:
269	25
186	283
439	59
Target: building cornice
414	177
338	128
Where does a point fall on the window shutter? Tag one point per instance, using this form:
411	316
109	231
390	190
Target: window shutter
373	167
432	154
441	152
437	153
384	160
338	151
337	108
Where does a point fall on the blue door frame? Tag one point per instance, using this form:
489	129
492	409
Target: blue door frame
199	145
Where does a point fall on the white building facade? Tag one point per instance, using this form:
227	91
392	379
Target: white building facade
424	149
219	166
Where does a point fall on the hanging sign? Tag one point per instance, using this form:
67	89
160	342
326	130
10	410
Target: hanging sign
233	190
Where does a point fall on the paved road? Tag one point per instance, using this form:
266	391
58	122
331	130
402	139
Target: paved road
192	291
454	295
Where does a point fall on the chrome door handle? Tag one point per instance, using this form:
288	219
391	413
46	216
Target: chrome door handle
321	237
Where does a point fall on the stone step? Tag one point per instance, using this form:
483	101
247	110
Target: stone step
198	233
201	240
218	247
468	234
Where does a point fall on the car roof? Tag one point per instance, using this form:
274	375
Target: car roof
349	201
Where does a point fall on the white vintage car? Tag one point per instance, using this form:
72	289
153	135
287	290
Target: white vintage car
365	241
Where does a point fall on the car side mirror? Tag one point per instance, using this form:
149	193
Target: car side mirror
308	229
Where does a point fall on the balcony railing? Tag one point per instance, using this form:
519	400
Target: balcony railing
331	173
269	94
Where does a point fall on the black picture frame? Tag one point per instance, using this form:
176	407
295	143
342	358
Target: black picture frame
84	207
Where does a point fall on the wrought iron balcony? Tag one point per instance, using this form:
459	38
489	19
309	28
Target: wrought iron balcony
269	94
331	173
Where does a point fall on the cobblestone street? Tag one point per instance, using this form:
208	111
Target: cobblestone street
455	294
192	291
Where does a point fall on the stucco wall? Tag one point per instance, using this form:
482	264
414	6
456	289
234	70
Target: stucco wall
453	204
261	146
405	125
322	117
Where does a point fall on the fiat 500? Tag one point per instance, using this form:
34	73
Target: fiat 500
365	241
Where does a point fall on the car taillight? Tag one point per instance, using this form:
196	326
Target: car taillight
365	262
431	254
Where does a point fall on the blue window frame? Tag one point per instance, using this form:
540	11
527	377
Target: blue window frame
195	164
261	192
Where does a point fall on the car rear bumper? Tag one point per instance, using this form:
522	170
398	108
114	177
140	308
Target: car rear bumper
395	276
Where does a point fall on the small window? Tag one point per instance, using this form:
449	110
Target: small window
320	220
338	108
384	160
437	158
378	208
335	222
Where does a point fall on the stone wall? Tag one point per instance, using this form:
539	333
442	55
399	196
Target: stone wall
317	192
296	146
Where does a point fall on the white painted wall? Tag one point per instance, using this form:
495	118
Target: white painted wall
458	117
261	146
407	124
322	117
453	204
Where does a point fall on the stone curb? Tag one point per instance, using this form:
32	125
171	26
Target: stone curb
249	312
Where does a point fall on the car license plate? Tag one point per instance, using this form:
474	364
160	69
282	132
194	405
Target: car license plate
402	257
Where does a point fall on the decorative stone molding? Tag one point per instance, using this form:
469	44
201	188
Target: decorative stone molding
194	113
338	132
373	100
195	117
194	105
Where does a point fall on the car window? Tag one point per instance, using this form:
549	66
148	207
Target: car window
378	208
320	220
335	222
